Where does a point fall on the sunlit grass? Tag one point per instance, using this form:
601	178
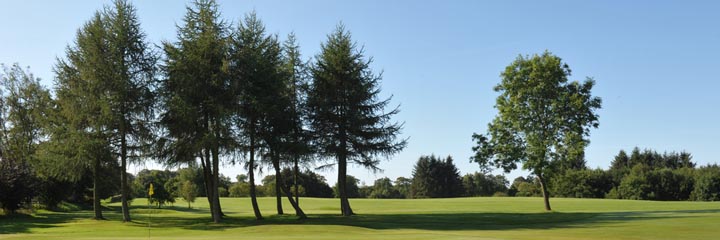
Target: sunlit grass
460	218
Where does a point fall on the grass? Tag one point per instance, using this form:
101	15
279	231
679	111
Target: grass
459	218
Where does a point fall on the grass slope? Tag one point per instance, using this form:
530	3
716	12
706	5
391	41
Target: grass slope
459	218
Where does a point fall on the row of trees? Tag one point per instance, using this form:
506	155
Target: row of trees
220	93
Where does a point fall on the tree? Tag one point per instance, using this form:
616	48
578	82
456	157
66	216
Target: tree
24	103
188	191
297	148
403	186
197	97
541	119
128	89
264	115
383	188
434	177
81	130
345	114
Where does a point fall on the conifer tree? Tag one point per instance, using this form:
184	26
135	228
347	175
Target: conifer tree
346	115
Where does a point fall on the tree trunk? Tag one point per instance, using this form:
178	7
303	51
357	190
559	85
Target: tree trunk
251	176
298	211
204	159
546	195
96	194
342	183
123	177
217	216
295	182
278	193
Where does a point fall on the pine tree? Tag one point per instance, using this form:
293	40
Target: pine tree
197	98
265	104
128	89
82	134
345	113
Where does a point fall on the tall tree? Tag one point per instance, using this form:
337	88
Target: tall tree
346	115
128	89
265	104
82	130
197	98
539	112
297	146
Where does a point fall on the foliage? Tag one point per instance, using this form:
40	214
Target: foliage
383	188
584	183
403	186
434	177
17	185
162	195
480	184
707	184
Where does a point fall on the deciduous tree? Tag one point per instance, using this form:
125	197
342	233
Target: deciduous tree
542	118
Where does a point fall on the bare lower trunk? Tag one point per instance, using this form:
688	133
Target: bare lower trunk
342	186
217	215
251	176
207	177
123	180
298	211
96	193
278	193
546	195
295	182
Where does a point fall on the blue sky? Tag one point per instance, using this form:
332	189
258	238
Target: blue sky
656	63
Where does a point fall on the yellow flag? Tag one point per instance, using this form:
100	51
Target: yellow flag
150	191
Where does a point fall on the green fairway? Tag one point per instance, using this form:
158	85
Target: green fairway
459	218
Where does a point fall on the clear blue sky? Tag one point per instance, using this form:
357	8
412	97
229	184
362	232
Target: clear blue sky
656	63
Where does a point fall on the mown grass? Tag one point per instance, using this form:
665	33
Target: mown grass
459	218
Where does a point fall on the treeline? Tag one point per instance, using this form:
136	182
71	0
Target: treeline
642	175
220	94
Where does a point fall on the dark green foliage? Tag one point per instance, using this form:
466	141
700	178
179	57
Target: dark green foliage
352	187
383	188
525	187
17	184
403	186
434	177
584	183
162	195
543	120
479	184
707	184
346	116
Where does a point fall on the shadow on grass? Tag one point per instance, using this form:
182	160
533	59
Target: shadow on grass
438	222
23	223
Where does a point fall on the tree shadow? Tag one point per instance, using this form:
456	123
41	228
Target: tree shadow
21	223
433	221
